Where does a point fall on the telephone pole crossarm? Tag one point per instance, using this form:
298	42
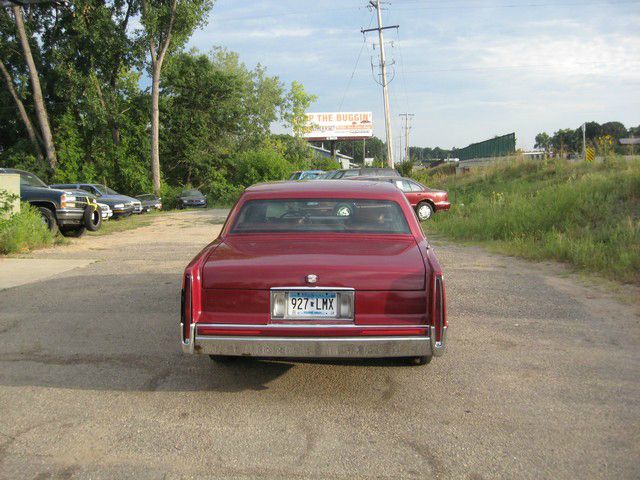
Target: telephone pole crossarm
365	30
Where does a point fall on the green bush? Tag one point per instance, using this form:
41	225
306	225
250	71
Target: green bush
404	168
584	214
262	165
169	196
24	231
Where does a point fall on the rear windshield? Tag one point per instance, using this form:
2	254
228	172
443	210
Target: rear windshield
320	215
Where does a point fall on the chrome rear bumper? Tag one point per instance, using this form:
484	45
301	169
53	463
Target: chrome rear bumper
309	347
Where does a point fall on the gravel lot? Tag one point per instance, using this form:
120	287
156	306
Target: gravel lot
541	379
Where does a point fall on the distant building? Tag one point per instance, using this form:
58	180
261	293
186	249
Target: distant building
344	160
629	141
534	154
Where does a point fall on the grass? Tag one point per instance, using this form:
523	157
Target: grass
129	223
583	214
24	231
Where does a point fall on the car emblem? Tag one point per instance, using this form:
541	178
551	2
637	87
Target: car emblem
311	278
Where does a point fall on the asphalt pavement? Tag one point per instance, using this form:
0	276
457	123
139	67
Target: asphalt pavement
541	378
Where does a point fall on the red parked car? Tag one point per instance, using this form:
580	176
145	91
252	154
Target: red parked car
424	200
316	269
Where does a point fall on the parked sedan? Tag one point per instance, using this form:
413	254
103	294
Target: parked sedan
150	202
192	198
425	201
307	175
362	172
106	211
292	274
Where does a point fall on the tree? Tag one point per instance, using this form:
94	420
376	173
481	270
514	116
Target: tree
592	131
615	129
543	141
167	23
31	132
564	141
296	104
204	109
38	100
214	106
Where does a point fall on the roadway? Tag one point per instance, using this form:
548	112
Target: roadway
541	378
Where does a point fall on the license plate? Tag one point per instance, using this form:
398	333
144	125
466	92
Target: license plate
312	304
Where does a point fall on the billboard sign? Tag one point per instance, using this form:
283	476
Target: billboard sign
338	126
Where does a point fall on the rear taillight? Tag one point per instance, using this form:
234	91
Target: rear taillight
186	312
439	316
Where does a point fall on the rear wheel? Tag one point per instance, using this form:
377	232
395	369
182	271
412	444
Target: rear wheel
423	360
424	211
73	230
49	219
92	219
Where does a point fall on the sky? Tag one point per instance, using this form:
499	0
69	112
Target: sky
468	69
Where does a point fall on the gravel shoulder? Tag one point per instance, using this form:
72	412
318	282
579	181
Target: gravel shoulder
541	378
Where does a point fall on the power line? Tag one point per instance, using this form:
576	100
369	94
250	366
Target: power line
364	44
403	72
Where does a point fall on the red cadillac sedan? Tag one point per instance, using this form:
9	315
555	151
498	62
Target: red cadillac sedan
424	200
328	269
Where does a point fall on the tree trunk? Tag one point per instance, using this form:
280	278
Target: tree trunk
155	127
23	113
41	111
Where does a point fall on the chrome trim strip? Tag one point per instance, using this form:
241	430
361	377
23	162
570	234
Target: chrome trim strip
437	347
303	325
314	288
315	347
188	346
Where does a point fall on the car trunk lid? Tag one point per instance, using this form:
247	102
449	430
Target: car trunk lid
363	262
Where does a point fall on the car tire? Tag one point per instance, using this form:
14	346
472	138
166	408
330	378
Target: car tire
424	210
73	231
49	219
422	360
92	219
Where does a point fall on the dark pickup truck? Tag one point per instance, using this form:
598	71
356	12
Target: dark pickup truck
60	210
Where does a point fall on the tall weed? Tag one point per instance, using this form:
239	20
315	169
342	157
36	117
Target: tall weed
24	231
584	214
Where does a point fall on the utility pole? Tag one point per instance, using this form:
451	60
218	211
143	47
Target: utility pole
385	91
584	141
407	127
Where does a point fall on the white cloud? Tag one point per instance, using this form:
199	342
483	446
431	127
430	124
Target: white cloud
470	74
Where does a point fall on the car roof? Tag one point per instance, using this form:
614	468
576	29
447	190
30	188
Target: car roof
326	188
379	178
14	170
